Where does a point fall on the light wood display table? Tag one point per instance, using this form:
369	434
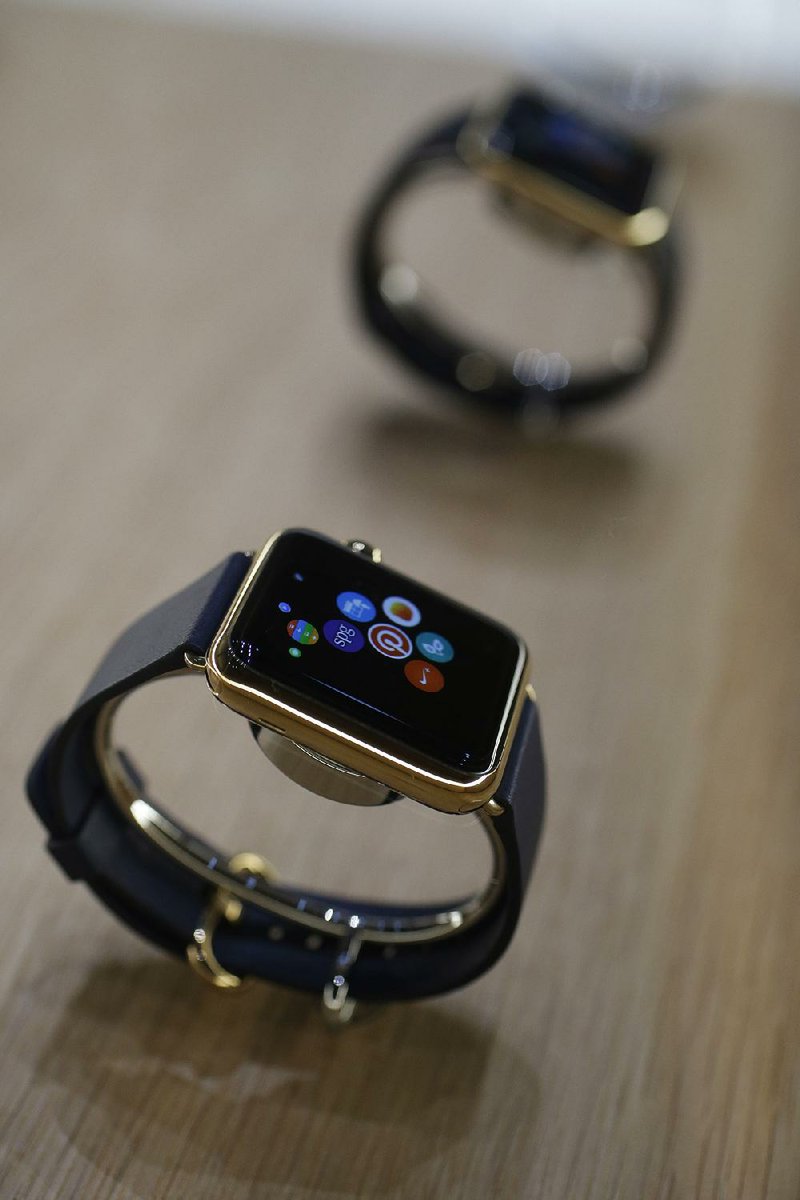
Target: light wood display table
182	375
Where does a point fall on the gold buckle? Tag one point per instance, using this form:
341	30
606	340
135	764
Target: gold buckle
223	906
338	1006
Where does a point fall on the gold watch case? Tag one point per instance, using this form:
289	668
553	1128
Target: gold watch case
336	738
559	199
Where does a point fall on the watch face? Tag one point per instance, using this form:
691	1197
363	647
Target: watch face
600	162
326	628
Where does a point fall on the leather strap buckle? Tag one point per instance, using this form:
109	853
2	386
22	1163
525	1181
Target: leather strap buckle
223	906
338	1006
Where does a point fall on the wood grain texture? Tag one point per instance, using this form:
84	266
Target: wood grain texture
182	376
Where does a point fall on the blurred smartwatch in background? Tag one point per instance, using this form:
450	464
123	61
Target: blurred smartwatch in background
583	185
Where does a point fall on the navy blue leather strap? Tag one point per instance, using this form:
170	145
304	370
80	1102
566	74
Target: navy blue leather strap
153	646
414	333
163	900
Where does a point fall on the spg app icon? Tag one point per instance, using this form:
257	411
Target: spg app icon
343	635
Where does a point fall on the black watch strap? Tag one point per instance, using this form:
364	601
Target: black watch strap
163	900
413	332
153	646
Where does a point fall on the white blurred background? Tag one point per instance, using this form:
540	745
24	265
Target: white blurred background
751	43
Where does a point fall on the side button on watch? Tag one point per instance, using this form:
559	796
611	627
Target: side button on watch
561	175
362	685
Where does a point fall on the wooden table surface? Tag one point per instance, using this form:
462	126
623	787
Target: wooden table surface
182	375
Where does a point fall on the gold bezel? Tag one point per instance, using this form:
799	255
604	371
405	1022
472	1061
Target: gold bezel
345	743
644	228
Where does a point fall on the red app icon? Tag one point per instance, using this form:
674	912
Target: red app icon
390	641
424	675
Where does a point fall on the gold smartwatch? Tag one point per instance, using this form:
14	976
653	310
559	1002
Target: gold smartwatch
359	683
561	174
